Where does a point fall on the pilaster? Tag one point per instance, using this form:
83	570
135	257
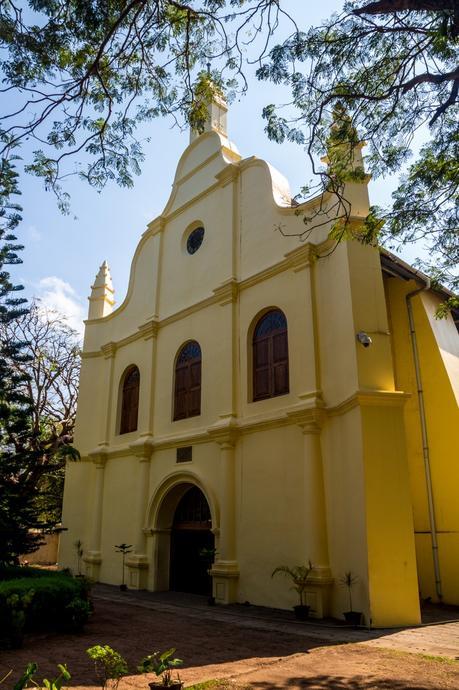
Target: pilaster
225	570
158	546
137	565
314	494
93	557
138	562
109	351
149	332
314	512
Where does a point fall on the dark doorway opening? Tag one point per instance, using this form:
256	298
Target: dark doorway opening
191	534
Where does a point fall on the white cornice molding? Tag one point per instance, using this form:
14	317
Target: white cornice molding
109	350
228	174
311	415
369	398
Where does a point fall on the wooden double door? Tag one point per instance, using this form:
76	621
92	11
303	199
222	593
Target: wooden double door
192	542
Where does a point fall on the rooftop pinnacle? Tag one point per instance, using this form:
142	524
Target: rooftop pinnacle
101	299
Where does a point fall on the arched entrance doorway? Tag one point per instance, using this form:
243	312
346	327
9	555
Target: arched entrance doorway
191	536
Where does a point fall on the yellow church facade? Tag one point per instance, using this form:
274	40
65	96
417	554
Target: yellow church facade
255	401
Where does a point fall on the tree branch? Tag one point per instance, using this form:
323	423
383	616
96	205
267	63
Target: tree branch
449	102
393	6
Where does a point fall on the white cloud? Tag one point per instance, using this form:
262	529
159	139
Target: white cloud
54	293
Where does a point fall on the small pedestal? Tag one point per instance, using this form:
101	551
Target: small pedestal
92	561
318	593
137	565
225	575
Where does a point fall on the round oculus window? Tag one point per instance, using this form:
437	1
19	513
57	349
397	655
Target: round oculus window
194	240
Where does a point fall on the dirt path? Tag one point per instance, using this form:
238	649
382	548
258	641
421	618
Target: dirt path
261	658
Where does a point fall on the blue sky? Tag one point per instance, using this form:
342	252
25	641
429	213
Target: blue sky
63	253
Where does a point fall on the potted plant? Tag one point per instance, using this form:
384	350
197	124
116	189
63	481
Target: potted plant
299	575
349	580
124	549
162	664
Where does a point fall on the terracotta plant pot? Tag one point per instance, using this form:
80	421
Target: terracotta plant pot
353	617
301	612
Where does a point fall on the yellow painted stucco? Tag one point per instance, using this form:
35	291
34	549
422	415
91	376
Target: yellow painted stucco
438	346
329	472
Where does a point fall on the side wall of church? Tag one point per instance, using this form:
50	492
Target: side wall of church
439	365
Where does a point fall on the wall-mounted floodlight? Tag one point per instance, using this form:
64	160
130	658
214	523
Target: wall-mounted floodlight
364	339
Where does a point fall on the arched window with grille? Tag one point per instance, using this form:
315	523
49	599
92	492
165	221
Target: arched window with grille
270	356
130	400
187	387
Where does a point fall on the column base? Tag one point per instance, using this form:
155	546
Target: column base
225	575
92	561
137	565
318	592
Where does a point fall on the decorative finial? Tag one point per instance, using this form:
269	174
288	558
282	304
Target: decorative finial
101	300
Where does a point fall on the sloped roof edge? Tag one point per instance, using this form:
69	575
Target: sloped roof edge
395	266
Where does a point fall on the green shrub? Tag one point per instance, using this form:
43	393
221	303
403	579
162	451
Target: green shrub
16	606
109	665
76	615
55	603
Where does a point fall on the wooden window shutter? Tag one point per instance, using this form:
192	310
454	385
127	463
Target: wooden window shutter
280	364
270	356
133	409
261	369
180	393
195	389
130	401
187	388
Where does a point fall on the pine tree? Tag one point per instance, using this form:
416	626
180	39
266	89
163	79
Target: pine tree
17	512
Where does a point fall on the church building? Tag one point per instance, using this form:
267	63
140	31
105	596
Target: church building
258	401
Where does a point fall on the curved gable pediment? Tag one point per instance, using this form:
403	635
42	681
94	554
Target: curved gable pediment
209	162
198	166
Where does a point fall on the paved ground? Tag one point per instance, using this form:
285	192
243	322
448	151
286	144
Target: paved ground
439	637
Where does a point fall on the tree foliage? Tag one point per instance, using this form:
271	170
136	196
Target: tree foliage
48	375
41	362
81	75
393	67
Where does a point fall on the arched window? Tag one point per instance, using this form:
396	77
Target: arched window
130	400
187	393
193	511
270	356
